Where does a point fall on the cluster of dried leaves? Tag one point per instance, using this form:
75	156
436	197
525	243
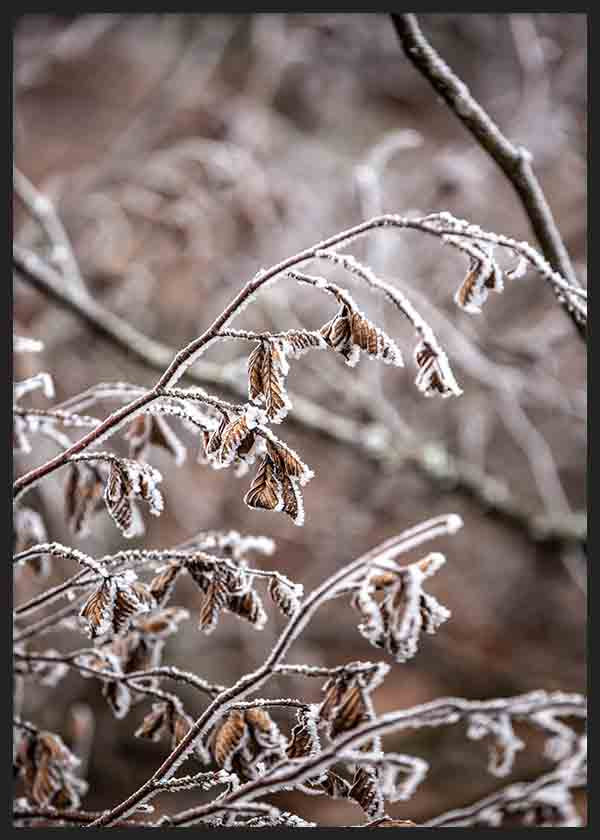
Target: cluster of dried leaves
122	601
47	767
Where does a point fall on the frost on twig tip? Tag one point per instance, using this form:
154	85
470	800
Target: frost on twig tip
23	344
33	383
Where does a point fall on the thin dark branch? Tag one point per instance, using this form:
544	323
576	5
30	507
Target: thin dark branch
514	161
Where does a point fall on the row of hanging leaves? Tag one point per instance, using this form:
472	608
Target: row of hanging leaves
242	437
248	741
122	599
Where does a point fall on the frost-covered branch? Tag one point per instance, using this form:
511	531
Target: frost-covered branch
546	801
348	331
43	211
445	711
388	550
445	470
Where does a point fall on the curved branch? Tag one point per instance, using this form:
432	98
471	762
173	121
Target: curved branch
514	161
447	470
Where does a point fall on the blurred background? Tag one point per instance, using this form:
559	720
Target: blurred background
183	153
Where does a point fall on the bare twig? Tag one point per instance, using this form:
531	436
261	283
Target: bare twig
133	677
55	815
42	209
519	796
513	160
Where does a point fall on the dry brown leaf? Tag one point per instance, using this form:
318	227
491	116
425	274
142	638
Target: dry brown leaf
335	689
213	444
163	623
255	374
366	790
373	340
265	490
214	601
338	333
228	738
162	585
182	724
156	723
284	596
98	609
126	605
298	342
304	740
435	375
274	369
118	697
335	786
286	461
249	606
351	711
83	496
293	503
468	287
153	430
45	764
232	437
136	652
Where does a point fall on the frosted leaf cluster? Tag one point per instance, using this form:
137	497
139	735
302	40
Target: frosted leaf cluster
129	480
396	622
247	742
47	769
277	483
224	590
111	607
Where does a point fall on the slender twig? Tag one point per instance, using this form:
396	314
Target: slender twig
167	671
72	816
48	623
49	414
126	558
514	161
42	209
507	798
